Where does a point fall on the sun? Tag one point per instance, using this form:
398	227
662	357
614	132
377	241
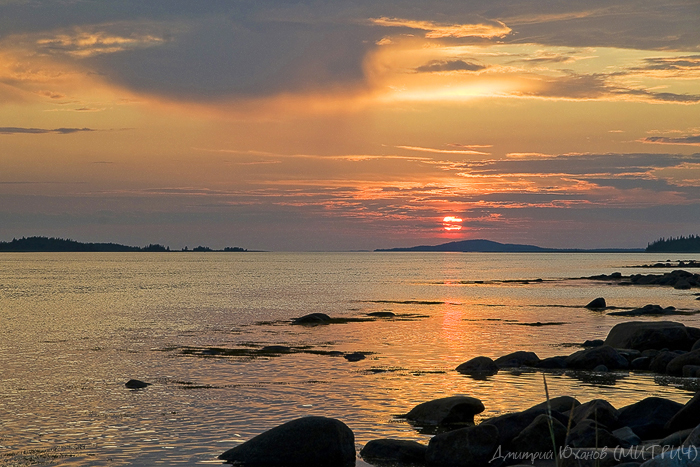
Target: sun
452	223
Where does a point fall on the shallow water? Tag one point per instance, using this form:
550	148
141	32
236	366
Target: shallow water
76	327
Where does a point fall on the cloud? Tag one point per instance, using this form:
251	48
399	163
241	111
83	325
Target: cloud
450	65
487	29
86	43
445	151
693	140
10	130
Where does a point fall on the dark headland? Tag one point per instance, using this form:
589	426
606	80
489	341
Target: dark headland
488	246
46	244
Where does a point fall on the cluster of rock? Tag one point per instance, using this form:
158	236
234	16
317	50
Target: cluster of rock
561	428
678	279
664	347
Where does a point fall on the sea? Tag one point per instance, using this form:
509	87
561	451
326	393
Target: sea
75	327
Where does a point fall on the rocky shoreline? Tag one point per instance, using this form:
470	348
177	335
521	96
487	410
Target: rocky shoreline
561	431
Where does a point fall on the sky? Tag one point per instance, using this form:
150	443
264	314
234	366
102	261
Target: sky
353	125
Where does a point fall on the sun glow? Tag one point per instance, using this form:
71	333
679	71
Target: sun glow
450	223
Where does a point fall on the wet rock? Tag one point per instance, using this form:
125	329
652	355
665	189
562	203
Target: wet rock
643	335
691	371
626	435
659	363
588	359
601	369
675	366
558	404
536	437
466	447
394	451
136	384
354	357
687	416
695	346
589	434
648	417
454	410
682	284
313	318
304	442
679	457
676	439
693	438
275	349
517	359
597	304
552	363
382	314
640	363
599	410
478	366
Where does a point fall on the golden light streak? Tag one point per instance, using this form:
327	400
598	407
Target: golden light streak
437	31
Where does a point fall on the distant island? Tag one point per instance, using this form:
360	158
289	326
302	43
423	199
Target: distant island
690	244
46	244
488	246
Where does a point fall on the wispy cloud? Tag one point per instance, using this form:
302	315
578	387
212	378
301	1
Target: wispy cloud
87	43
11	130
692	140
485	29
444	151
436	66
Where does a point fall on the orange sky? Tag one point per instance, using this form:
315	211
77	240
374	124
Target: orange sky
356	126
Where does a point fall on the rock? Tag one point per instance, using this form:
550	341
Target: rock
693	438
640	363
679	457
648	417
466	447
677	438
588	434
478	366
136	384
454	410
625	434
536	437
394	451
597	304
659	363
517	359
643	335
591	358
629	354
354	357
382	314
598	410
695	346
691	371
682	284
552	363
512	424
601	369
687	416
304	442
558	404
594	343
313	318
276	349
675	366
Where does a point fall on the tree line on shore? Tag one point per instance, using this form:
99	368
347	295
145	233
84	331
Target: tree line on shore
689	244
46	244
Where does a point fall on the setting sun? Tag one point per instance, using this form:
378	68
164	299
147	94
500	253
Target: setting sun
452	223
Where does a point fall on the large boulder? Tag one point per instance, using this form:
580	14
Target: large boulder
643	335
589	434
659	363
588	359
304	442
454	410
517	359
648	417
687	416
512	424
693	438
679	457
597	304
537	436
467	447
398	451
598	410
558	404
478	366
312	319
675	366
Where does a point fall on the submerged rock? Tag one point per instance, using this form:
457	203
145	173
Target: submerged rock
354	357
304	442
466	447
454	410
590	358
382	314
478	366
313	318
517	359
597	304
647	310
394	451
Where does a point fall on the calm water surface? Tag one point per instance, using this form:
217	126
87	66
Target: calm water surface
75	327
